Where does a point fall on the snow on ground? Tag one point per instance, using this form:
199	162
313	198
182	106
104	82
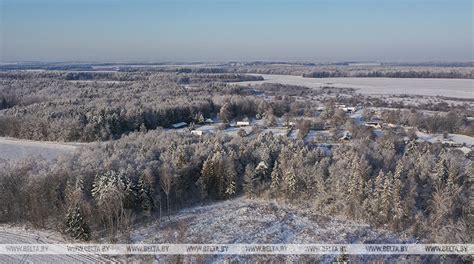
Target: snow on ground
459	88
14	149
418	100
98	81
462	139
254	221
208	128
17	235
324	135
277	131
425	112
293	134
438	138
358	117
232	131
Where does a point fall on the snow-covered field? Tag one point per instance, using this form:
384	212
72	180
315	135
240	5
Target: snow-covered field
14	149
244	220
459	88
17	235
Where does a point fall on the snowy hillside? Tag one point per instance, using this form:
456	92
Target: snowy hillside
256	221
16	235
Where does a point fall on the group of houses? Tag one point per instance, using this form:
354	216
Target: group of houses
179	125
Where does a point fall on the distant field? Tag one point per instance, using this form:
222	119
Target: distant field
459	88
14	149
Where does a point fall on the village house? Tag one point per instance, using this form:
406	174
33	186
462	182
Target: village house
373	124
349	109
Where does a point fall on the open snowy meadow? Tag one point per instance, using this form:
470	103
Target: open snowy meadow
458	88
15	149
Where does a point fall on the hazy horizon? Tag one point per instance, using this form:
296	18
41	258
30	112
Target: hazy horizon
236	30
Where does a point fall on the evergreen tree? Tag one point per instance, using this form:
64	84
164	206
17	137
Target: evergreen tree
275	177
357	185
207	174
441	169
261	171
231	178
231	189
249	181
410	147
290	183
76	226
397	207
200	118
146	195
132	198
226	113
410	197
376	197
386	198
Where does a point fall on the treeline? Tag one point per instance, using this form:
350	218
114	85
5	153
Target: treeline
184	76
175	69
46	66
449	74
420	189
333	70
75	75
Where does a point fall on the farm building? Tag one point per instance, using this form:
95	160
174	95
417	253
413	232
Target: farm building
197	132
349	109
242	123
179	125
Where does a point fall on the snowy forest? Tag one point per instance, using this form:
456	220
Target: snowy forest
135	168
421	189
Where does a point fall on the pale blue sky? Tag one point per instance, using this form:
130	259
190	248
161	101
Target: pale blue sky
222	30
